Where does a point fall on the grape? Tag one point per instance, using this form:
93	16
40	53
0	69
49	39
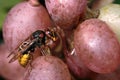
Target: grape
48	68
111	76
97	46
66	13
111	15
76	66
22	20
9	71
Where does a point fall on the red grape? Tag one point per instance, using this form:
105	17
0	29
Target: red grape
22	20
97	46
66	13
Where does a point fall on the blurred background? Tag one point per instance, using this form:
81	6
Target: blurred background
5	6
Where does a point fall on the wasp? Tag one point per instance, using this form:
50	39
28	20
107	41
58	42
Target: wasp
24	52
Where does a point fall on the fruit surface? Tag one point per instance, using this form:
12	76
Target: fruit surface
97	46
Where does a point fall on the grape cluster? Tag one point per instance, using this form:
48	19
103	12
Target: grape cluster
88	46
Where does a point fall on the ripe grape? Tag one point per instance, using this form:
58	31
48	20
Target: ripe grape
22	20
66	13
48	68
97	46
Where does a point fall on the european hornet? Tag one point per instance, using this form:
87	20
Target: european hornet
40	39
